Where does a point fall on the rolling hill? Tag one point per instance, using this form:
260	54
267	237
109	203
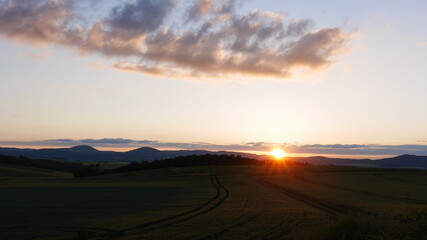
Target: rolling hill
89	154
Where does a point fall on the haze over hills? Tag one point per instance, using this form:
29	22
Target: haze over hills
86	153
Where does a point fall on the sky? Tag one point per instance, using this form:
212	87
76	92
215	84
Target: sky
312	77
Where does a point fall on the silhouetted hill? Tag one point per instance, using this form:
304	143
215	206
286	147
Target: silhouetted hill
70	167
402	161
144	150
90	154
319	160
82	148
147	153
187	161
408	161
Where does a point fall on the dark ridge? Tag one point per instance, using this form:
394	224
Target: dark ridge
186	161
144	150
408	161
83	148
405	156
70	167
85	153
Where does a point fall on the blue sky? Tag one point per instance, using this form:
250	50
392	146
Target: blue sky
371	91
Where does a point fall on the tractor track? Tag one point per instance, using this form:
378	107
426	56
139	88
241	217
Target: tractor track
239	221
242	219
221	195
219	203
159	221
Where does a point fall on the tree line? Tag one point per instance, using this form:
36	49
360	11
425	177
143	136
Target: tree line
70	167
184	161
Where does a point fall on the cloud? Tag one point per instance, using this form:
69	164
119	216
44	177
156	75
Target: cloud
135	19
152	37
34	21
357	149
114	141
198	9
335	146
111	141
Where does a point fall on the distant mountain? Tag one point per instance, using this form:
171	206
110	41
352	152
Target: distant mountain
408	161
148	153
319	160
403	161
82	148
144	150
89	154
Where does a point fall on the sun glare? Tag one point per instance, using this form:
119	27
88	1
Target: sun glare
278	153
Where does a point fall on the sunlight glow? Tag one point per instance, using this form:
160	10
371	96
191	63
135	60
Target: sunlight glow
278	154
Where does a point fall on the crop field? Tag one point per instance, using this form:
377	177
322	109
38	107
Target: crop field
7	171
233	202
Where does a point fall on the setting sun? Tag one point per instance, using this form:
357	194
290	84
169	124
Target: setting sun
278	153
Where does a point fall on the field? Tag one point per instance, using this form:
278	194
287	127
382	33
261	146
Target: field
234	202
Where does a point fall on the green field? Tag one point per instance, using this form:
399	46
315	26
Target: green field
244	202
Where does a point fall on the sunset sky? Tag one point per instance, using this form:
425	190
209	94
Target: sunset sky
314	77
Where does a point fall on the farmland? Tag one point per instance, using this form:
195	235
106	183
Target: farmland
221	202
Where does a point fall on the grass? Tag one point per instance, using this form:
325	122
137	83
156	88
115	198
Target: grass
366	190
213	203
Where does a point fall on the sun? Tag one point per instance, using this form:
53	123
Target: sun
278	153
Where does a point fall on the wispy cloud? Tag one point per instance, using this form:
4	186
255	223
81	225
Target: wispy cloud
39	56
202	38
95	66
310	149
